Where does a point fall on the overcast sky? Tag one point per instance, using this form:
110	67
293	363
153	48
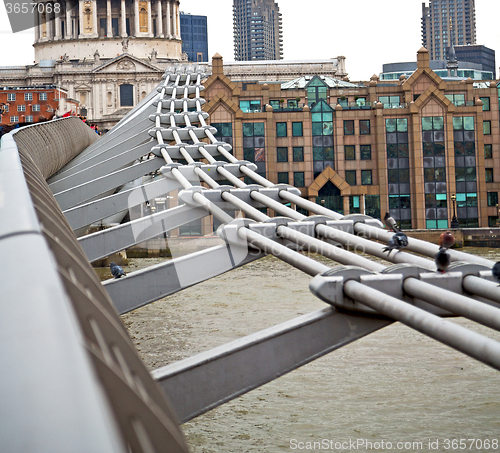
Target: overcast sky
368	33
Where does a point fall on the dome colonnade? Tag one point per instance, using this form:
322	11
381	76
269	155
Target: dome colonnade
116	24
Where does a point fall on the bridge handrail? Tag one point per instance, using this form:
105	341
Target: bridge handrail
72	377
51	146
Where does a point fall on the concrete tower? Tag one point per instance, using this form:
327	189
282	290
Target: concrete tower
257	30
90	29
446	23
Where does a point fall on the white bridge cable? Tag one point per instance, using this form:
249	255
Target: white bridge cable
471	343
180	135
323	248
476	310
324	231
180	87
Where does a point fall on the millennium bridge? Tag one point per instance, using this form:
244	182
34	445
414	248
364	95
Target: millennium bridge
71	378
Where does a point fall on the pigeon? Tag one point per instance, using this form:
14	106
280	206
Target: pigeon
496	271
446	240
390	223
116	270
442	260
397	242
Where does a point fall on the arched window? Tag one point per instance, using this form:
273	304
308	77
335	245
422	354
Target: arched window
126	95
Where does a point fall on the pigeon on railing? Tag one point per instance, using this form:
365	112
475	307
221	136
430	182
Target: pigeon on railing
442	257
496	271
116	270
446	240
399	240
390	223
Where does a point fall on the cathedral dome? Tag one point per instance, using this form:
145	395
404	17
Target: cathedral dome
90	29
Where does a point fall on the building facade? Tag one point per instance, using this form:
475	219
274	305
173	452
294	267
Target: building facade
194	34
106	54
479	55
464	69
446	23
422	148
280	70
26	105
257	30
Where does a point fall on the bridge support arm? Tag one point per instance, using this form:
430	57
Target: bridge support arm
112	240
403	295
207	380
471	343
145	286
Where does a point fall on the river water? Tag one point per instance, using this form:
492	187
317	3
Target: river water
394	390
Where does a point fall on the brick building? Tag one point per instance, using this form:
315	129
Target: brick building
26	105
422	147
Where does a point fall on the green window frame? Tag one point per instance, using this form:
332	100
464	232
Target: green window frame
251	105
348	127
298	179
275	104
372	206
457	99
343	101
254	146
364	127
249	154
492	198
224	134
281	130
488	151
297	129
193	228
486	104
360	101
317	91
365	152
283	177
298	154
350	152
350	177
282	154
354	204
366	178
389	101
322	137
487	127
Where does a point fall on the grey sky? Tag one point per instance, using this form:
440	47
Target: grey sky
368	33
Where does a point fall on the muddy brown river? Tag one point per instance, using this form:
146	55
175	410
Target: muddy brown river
394	390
